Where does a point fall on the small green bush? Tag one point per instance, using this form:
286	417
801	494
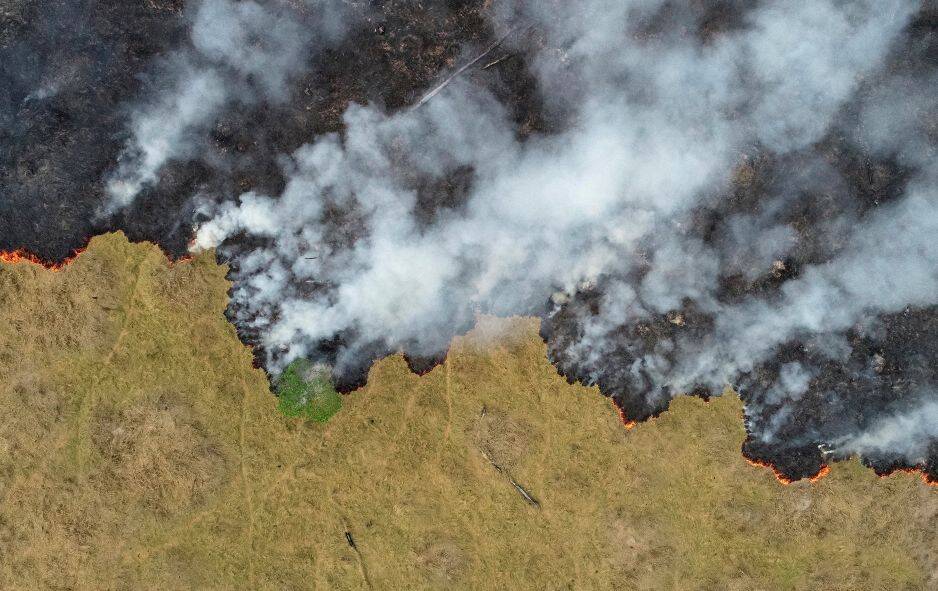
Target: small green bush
306	391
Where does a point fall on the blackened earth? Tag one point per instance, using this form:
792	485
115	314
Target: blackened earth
70	68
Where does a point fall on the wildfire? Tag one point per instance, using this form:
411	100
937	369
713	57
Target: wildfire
824	471
629	424
920	472
23	256
781	477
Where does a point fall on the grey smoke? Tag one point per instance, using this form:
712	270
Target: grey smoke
890	262
907	433
658	125
239	51
558	210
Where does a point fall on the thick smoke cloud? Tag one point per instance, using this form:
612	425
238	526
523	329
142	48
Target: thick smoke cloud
729	194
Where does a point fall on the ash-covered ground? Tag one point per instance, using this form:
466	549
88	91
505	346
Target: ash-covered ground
692	195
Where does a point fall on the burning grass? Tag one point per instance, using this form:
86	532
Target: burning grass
22	256
140	449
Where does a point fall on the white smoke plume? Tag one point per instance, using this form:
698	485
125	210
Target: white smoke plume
658	125
239	51
907	433
888	263
662	119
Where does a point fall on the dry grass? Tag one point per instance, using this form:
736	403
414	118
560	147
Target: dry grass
140	450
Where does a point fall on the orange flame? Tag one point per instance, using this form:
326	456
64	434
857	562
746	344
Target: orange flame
23	256
629	424
778	475
925	478
824	471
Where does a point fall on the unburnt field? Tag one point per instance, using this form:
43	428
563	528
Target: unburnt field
139	449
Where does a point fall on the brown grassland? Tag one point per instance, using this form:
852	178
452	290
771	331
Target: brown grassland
139	449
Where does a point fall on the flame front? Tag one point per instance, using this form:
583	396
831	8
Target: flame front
629	423
920	472
23	256
781	477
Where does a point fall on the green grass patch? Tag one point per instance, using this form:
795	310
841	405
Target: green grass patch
306	391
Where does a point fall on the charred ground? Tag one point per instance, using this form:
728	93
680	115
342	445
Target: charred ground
88	60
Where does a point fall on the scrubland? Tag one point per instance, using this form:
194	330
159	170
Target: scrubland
139	449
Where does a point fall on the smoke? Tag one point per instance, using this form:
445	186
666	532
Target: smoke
239	52
887	264
727	193
907	434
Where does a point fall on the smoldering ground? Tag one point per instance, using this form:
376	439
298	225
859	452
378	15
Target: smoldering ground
691	195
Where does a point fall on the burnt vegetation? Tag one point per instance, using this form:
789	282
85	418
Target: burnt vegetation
69	69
